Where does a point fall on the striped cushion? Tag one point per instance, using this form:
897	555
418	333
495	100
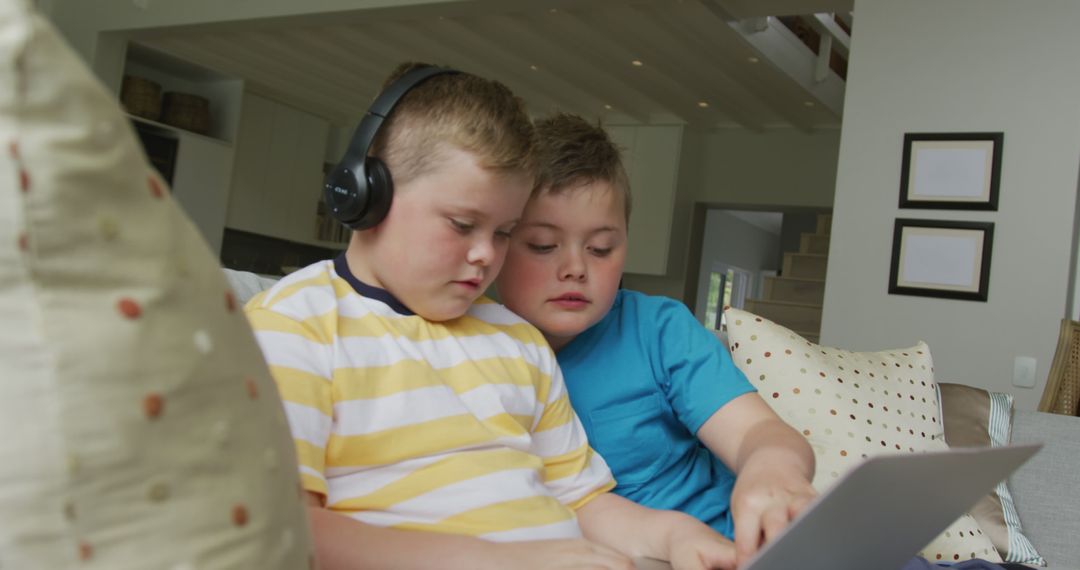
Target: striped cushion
976	417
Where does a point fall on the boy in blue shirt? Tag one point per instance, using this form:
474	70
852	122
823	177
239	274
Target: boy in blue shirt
657	393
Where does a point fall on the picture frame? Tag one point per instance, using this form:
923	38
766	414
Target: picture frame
951	171
939	258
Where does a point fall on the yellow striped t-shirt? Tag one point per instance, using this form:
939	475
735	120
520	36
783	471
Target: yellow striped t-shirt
461	426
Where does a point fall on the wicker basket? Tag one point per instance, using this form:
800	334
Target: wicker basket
141	97
187	111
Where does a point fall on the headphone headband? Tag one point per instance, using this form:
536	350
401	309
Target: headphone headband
365	132
359	190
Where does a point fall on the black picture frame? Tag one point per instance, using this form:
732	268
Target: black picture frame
934	165
941	258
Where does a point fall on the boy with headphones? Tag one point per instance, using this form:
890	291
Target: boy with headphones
432	425
658	395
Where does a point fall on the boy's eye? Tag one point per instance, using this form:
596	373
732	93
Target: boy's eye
540	248
460	225
600	251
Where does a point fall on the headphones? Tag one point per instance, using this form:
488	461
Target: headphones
358	191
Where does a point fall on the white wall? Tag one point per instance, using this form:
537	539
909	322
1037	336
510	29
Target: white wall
687	183
733	167
733	241
963	65
781	167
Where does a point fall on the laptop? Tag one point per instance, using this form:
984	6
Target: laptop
884	511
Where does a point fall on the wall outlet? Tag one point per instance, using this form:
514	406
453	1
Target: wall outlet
1024	372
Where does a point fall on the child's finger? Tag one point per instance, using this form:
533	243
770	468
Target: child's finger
798	504
747	535
773	522
719	556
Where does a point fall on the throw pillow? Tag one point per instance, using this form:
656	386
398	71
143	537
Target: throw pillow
974	417
141	426
851	406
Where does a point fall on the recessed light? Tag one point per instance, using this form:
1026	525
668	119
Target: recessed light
703	104
636	63
752	59
553	10
808	103
534	68
608	107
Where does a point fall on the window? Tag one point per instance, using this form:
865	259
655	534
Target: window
729	286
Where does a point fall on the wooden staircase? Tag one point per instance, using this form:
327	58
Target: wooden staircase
793	298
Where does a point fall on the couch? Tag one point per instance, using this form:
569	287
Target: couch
1045	491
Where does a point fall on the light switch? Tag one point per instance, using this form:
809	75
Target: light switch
1024	372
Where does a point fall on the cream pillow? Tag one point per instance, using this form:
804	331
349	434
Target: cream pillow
851	406
141	426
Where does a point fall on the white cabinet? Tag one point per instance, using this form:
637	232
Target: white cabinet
201	183
651	157
277	179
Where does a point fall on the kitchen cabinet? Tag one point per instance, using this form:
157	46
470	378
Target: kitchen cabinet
201	184
277	179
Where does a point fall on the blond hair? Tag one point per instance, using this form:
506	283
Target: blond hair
460	110
572	152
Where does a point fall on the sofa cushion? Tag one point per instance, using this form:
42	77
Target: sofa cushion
852	406
1047	488
974	417
246	284
142	427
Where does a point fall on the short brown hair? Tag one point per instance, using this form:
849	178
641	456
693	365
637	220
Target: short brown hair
572	152
476	115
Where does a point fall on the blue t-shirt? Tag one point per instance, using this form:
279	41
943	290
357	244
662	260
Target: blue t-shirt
643	381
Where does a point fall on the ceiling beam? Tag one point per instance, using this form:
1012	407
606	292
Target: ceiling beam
762	78
542	46
695	71
477	53
603	54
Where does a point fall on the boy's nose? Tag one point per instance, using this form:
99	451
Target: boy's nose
573	276
482	252
573	269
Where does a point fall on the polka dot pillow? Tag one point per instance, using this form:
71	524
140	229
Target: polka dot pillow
852	406
141	426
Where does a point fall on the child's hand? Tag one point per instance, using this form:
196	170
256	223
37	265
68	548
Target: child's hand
559	555
763	502
694	546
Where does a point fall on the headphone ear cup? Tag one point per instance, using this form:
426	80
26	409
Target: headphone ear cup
380	194
345	193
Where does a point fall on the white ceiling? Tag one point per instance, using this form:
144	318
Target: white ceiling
772	222
568	55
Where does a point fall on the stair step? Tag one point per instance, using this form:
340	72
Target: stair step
824	223
795	316
805	265
814	243
793	290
